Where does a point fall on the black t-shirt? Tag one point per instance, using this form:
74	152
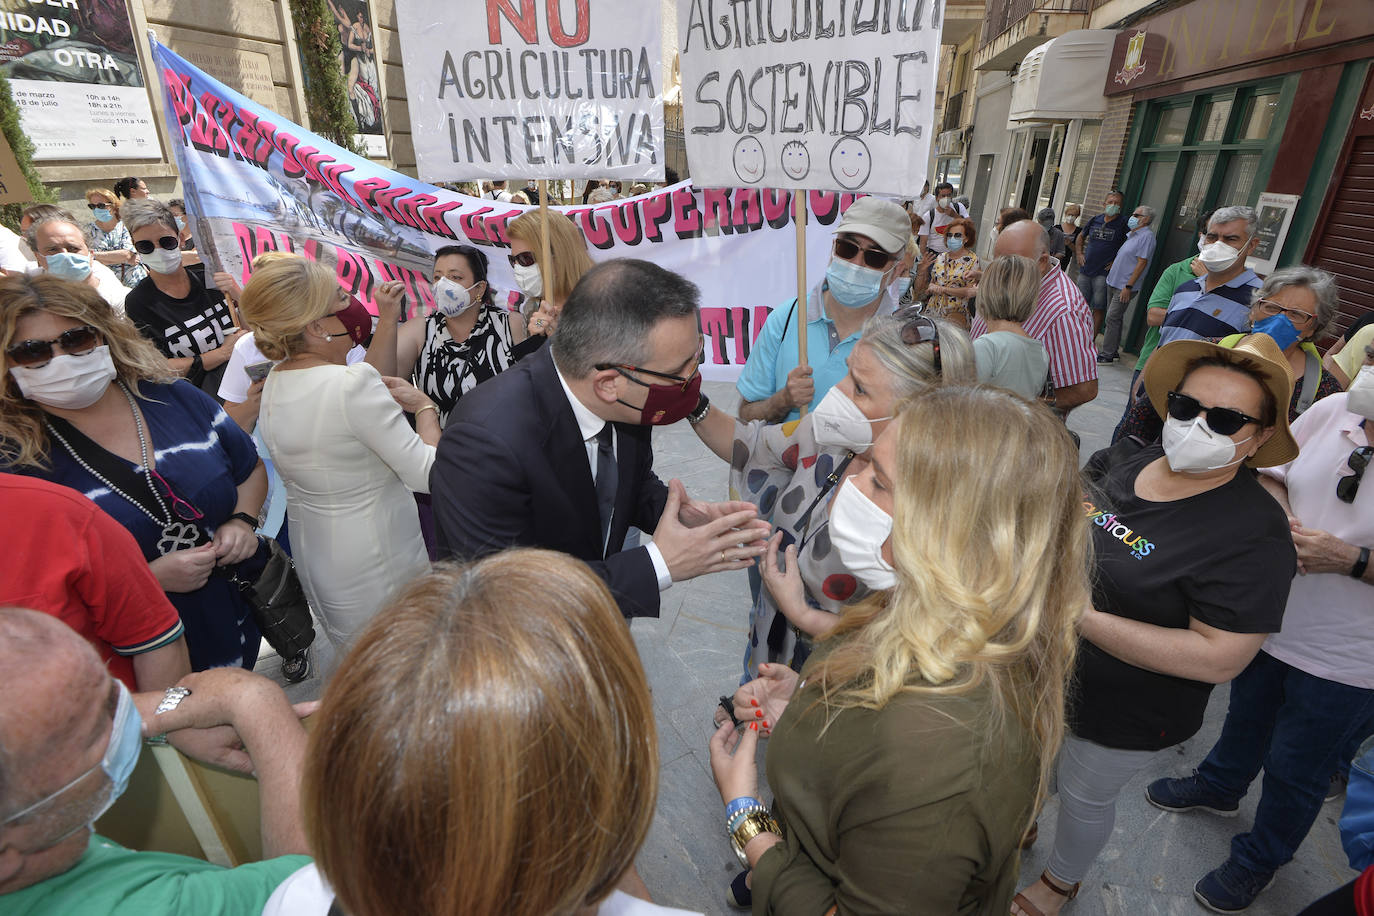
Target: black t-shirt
1224	557
1360	325
182	328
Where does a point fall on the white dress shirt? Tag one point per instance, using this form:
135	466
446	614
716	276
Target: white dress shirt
590	426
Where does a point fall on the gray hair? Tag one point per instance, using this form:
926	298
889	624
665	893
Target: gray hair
32	235
612	310
1231	214
1321	284
1149	213
1009	288
913	366
139	214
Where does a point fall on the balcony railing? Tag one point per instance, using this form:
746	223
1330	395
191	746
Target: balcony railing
954	110
1001	15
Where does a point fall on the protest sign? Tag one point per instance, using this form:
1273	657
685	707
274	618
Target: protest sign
809	94
534	88
74	72
256	182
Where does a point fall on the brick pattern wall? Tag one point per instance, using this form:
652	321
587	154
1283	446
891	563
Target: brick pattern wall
1111	144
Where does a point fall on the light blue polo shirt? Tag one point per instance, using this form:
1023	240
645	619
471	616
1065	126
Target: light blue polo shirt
774	353
1140	243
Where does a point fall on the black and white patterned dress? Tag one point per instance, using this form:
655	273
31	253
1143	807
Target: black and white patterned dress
448	368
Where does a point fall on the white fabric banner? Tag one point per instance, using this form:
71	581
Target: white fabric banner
803	94
256	182
534	88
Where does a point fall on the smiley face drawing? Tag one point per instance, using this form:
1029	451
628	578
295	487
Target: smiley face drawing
850	163
796	161
748	160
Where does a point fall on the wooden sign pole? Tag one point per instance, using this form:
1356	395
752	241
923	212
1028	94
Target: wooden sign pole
544	264
799	223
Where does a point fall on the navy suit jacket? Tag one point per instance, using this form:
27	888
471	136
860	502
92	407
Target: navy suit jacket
512	470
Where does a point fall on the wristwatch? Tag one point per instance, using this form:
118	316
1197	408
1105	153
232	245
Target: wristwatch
172	699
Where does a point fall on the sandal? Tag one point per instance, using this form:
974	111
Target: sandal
1031	909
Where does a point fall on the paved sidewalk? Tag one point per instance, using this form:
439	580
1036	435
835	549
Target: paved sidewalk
693	653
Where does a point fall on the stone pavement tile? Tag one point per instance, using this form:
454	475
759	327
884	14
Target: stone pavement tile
686	860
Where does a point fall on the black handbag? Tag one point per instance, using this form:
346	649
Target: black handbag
278	601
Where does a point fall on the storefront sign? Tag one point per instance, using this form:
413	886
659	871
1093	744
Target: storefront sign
534	88
802	94
1275	213
1208	35
74	72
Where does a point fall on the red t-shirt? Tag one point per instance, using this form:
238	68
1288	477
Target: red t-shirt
62	555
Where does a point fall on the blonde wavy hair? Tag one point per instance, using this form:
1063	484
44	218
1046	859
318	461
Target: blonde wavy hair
567	250
913	365
492	720
23	439
281	299
107	196
992	558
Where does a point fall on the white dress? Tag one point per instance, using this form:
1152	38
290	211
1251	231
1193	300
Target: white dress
349	461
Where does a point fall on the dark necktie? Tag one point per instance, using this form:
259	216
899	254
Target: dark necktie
606	479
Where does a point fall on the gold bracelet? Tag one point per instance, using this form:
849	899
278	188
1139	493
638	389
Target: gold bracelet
750	827
427	407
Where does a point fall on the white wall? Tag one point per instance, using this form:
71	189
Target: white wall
990	135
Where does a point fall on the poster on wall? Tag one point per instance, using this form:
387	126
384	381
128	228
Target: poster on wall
257	182
800	94
362	80
73	68
534	88
1274	213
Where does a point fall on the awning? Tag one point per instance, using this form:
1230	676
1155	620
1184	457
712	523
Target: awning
1062	79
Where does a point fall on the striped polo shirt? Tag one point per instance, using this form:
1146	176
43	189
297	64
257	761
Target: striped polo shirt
1195	315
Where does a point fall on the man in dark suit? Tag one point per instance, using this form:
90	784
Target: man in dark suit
556	453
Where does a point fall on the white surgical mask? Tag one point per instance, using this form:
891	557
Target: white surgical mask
858	530
530	280
162	261
453	299
67	382
838	421
1191	445
897	289
1359	397
1217	256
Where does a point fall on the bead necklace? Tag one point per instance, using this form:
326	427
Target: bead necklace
176	534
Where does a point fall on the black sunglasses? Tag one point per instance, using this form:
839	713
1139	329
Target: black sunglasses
167	242
875	258
76	340
1222	420
918	328
90	206
524	259
1347	487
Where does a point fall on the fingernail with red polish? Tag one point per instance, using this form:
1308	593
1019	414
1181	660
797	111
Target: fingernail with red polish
754	726
759	713
753	702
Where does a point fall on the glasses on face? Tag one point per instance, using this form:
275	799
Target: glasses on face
1222	420
875	258
167	242
75	341
622	369
103	205
1270	308
524	259
1347	487
918	328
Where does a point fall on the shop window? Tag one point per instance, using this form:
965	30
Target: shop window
1173	124
1212	128
1238	184
1258	117
1082	167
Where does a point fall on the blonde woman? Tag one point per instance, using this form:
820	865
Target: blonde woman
1007	356
909	758
88	404
569	261
487	747
339	438
111	243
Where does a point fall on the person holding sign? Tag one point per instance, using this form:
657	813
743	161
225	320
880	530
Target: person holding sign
568	261
869	242
556	452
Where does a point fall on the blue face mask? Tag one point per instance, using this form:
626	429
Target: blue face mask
1279	328
954	244
102	214
69	266
121	756
852	285
181	224
1133	223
